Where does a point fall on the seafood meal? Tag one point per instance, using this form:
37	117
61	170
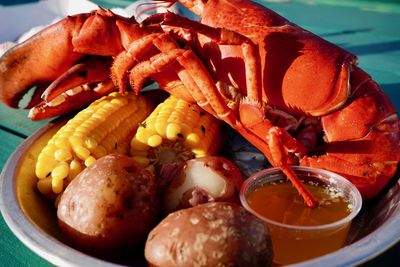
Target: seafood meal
137	168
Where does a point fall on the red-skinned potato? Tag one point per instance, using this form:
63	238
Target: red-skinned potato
110	207
208	235
200	180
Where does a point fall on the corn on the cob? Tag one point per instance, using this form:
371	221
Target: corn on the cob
106	126
174	132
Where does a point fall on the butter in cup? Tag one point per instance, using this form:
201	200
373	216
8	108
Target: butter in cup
293	242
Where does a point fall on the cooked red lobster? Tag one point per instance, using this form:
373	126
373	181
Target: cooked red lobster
298	98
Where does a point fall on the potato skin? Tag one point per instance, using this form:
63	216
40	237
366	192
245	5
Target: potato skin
211	234
109	207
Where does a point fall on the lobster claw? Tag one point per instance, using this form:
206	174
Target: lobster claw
36	61
91	69
51	53
78	86
71	100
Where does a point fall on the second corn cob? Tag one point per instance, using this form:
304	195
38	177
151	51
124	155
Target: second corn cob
174	132
106	126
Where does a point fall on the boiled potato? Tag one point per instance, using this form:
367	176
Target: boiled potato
109	207
199	181
208	235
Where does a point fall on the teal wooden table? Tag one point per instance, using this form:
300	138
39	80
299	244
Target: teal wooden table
369	29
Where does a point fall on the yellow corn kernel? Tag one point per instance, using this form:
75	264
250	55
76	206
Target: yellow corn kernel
99	152
60	171
82	152
75	140
82	129
57	185
161	127
154	140
90	143
62	142
193	139
62	154
144	161
137	145
89	161
49	150
44	186
75	168
44	166
119	101
142	135
175	131
105	127
138	153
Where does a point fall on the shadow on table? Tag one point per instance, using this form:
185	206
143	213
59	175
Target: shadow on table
345	32
393	91
375	48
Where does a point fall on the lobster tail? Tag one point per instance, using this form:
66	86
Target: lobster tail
363	138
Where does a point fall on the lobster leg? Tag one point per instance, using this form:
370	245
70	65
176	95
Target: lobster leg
185	82
194	74
205	83
127	59
273	137
223	37
254	98
279	142
147	44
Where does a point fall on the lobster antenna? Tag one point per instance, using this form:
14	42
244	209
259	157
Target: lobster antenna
147	6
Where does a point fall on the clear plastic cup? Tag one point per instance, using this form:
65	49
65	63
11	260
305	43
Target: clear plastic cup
292	243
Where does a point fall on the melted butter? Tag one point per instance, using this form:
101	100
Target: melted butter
280	202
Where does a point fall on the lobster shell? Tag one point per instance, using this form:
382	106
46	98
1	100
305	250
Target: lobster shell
305	75
293	60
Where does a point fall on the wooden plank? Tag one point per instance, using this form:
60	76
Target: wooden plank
14	253
16	120
369	34
9	142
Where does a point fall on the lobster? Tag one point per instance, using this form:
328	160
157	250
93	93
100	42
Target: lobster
311	102
296	97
